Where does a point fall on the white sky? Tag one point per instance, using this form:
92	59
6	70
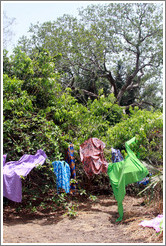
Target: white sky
31	12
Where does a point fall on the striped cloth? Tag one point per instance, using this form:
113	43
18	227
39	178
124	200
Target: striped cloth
71	161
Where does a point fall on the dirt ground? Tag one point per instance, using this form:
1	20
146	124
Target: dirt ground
94	223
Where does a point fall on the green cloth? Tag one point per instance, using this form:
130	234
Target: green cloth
125	172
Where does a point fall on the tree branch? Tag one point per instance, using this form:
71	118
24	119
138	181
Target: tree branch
90	93
132	86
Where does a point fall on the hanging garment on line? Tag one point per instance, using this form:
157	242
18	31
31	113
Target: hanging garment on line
62	172
71	161
13	170
92	156
125	172
116	155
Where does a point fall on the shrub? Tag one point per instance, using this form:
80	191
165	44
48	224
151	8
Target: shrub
147	126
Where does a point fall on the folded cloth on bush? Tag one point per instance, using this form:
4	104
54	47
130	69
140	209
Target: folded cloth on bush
156	223
125	172
92	156
62	172
13	170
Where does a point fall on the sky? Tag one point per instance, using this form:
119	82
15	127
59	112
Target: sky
31	12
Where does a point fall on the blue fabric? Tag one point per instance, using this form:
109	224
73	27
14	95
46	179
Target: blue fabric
62	172
116	155
145	181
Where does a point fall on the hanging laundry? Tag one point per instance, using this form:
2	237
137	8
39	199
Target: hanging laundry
13	170
92	156
71	161
4	159
145	181
62	172
116	155
125	172
156	223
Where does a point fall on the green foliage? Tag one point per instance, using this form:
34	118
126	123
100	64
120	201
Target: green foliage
92	198
147	126
71	210
26	129
39	114
92	45
15	100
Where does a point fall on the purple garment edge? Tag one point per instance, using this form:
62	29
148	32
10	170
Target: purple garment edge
12	185
4	159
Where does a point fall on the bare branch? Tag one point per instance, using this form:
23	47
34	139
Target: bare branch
90	93
148	35
132	86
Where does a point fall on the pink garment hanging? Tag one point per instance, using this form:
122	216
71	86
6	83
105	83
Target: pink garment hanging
92	156
156	223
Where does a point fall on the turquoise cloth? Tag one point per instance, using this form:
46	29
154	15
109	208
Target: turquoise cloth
62	171
127	171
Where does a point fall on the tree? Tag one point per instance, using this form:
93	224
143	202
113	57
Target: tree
92	45
7	29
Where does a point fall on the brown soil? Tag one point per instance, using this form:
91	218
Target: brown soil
94	223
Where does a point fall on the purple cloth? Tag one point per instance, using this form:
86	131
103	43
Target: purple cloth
4	160
156	223
12	185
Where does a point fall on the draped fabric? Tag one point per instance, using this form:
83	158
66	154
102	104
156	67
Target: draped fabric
92	157
156	223
116	155
14	170
127	171
4	159
62	172
71	161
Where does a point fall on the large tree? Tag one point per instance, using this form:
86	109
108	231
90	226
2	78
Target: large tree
102	37
7	30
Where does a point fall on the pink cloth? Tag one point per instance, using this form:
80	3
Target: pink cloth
92	156
156	223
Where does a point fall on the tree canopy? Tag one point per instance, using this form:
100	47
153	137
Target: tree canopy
116	46
7	29
70	81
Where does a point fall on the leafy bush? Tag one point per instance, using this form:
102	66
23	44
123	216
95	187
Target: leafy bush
147	126
39	114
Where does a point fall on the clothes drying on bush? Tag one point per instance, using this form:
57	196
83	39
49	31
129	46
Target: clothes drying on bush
71	161
62	172
14	170
125	172
116	155
92	157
